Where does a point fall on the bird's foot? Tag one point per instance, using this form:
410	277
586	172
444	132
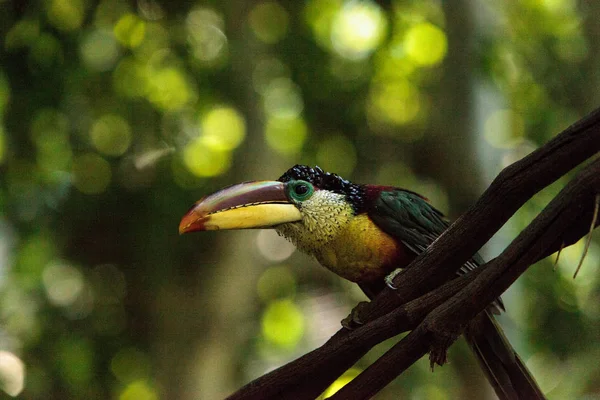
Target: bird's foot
389	280
353	320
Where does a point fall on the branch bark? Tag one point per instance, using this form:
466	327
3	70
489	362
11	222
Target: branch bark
308	376
563	214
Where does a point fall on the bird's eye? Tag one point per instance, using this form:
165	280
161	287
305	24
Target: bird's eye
300	190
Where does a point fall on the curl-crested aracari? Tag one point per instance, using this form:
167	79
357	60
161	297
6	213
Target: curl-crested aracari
362	233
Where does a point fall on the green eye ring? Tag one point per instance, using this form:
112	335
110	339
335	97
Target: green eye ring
300	190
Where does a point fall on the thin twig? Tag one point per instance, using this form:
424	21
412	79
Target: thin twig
589	238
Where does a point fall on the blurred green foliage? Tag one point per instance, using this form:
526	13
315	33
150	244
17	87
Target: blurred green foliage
116	116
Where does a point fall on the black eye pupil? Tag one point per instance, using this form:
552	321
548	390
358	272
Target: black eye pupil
301	189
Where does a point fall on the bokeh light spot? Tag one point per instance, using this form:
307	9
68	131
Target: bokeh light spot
337	153
130	364
286	135
266	71
548	370
48	127
63	283
76	361
425	44
23	33
66	15
395	103
130	30
358	29
283	324
99	50
504	129
272	246
276	283
342	381
223	128
206	38
282	99
269	21
91	173
111	135
319	15
46	52
129	78
202	161
168	88
138	390
12	373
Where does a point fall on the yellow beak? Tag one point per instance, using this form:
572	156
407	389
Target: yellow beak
261	204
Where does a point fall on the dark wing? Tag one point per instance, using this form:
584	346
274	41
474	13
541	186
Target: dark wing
411	219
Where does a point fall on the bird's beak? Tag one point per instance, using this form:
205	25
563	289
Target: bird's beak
261	204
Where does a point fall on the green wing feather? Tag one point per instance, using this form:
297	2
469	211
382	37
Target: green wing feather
416	223
411	219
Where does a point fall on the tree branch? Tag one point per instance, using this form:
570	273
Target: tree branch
308	376
563	214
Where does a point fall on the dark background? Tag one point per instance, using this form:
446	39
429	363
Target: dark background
115	116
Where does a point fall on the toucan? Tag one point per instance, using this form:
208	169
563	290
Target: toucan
362	233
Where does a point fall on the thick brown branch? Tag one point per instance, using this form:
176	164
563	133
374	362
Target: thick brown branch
563	214
306	377
402	319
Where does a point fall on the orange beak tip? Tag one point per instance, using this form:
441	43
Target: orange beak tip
192	222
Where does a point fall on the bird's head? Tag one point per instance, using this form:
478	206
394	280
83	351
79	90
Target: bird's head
306	205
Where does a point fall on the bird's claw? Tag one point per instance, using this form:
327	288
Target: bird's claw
353	320
389	280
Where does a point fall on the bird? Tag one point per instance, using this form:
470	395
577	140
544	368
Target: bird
365	234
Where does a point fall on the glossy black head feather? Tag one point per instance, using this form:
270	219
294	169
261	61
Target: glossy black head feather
327	181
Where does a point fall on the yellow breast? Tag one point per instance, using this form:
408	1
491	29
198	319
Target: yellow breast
360	252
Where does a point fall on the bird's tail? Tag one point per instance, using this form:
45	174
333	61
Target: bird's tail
504	369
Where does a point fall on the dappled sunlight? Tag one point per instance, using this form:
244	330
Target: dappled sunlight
341	382
65	15
282	324
138	390
167	87
548	370
425	44
282	99
12	373
116	116
269	21
130	30
504	129
99	50
276	282
395	103
205	36
129	78
273	247
203	161
222	128
358	29
63	283
286	135
111	135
